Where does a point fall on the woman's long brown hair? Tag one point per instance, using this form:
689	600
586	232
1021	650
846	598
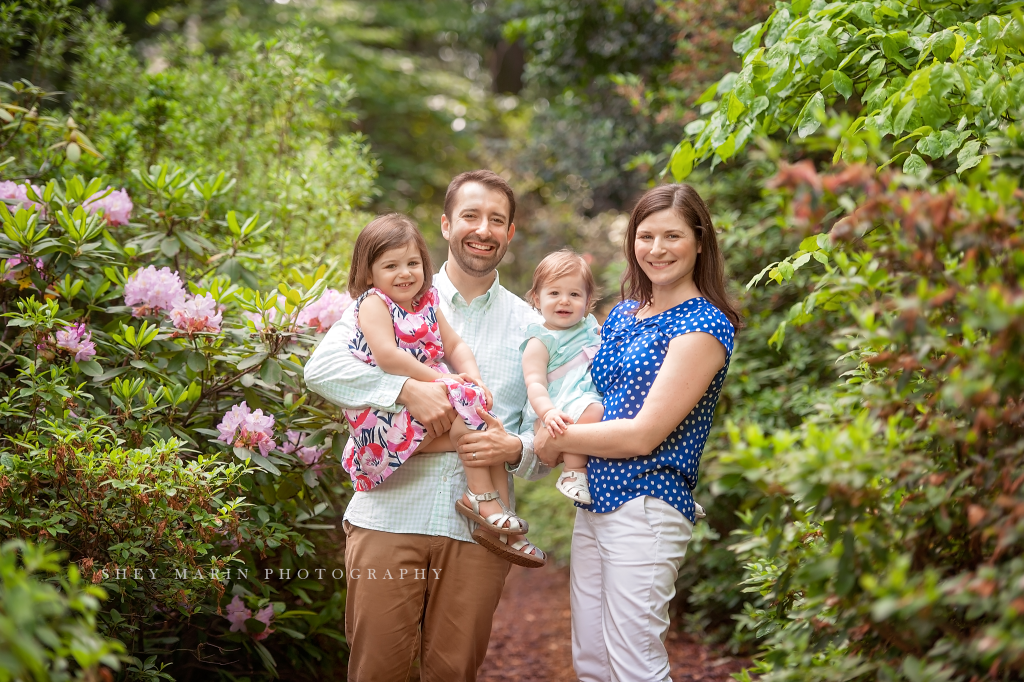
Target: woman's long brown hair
709	270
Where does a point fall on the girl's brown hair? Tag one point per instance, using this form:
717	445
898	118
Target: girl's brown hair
559	264
384	233
708	272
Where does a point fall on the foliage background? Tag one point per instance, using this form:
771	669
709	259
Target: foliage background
863	159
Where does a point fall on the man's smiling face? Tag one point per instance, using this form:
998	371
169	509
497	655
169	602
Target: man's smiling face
478	231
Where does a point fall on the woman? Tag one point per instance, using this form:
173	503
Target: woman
663	359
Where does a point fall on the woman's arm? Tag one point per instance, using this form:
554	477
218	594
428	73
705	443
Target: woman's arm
379	331
690	365
535	372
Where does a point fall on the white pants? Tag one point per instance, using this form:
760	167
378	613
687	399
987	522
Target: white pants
623	575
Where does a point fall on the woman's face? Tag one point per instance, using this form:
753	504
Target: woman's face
399	274
666	248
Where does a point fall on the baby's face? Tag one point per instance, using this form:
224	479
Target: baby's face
563	301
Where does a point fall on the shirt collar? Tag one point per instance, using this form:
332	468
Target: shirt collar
449	293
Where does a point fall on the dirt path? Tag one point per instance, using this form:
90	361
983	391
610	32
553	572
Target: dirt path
531	641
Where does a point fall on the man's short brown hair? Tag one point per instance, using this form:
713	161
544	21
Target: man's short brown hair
486	178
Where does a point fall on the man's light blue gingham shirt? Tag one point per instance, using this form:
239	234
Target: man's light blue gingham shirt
419	497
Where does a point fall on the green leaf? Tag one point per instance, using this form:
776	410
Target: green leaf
902	118
251	361
943	46
90	368
746	40
736	107
813	114
196	361
843	84
968	157
271	372
914	165
170	247
682	161
264	463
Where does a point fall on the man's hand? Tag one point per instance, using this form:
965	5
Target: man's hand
546	449
491	447
428	402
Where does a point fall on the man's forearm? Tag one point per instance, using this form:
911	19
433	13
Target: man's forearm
339	376
528	465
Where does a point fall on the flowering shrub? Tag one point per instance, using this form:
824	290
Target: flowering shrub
154	424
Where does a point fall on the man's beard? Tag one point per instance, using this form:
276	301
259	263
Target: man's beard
476	265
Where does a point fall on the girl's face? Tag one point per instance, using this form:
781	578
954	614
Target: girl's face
563	301
666	248
399	274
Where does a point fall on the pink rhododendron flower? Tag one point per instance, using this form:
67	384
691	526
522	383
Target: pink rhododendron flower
150	290
274	315
116	206
264	615
309	456
198	314
322	313
12	190
18	270
245	428
238	614
77	340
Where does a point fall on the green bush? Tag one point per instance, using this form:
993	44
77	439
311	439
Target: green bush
48	631
886	544
154	420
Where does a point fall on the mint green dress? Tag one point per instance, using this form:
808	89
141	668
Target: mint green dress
575	391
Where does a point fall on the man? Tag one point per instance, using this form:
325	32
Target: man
415	576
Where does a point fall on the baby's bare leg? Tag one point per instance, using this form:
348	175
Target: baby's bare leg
591	415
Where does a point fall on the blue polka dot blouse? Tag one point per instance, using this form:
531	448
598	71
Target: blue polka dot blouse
632	352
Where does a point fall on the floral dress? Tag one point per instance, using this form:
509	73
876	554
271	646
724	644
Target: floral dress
381	441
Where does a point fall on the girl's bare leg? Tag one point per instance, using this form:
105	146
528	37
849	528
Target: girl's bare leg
479	479
591	415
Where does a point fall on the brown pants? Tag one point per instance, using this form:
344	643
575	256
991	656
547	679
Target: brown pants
406	590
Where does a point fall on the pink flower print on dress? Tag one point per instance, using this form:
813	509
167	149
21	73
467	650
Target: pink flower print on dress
366	420
372	459
152	291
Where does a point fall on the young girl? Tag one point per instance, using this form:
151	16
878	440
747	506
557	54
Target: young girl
557	357
400	328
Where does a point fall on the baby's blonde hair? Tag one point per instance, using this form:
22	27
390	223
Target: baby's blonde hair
559	264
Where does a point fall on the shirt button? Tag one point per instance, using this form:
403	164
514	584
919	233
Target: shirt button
444	478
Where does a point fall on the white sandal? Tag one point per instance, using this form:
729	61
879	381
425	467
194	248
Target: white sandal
495	522
578	489
522	552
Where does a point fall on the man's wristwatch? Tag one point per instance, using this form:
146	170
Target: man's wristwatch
511	468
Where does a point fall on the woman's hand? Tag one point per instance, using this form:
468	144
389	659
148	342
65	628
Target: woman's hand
556	421
546	448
